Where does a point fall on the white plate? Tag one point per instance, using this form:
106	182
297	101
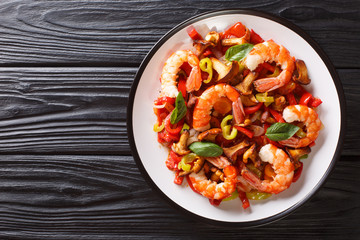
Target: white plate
150	156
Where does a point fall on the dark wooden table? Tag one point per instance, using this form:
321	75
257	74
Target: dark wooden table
66	170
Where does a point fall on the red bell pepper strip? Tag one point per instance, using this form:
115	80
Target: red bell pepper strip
193	34
276	115
246	72
207	52
238	30
268	66
299	90
298	172
315	102
182	87
215	202
162	100
245	131
305	99
244	199
252	109
178	179
291	99
255	38
172	160
186	68
168	126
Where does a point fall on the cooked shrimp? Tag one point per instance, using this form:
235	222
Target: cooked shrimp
269	51
201	115
211	189
283	168
171	69
311	120
219	162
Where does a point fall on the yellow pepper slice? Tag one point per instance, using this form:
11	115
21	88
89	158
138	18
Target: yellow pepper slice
226	128
300	133
234	195
158	128
263	97
185	126
206	66
185	160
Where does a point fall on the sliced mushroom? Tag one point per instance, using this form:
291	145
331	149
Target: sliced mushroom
301	73
250	154
213	37
279	103
233	151
296	154
248	100
181	147
201	46
246	84
225	73
237	41
210	134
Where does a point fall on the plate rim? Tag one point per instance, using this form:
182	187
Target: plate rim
318	50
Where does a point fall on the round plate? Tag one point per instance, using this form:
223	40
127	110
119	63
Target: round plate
150	156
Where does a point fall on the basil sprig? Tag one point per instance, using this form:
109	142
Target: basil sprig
206	149
180	109
238	52
281	131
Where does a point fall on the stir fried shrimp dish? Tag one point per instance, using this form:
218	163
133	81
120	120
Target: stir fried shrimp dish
235	115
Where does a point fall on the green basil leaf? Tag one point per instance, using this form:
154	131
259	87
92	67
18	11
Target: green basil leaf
180	109
281	131
238	52
206	149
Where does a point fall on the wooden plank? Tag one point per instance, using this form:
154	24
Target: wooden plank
120	33
82	110
55	196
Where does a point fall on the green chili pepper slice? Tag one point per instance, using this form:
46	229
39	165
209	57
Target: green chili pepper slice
256	195
254	169
226	128
185	160
206	66
233	196
275	73
158	128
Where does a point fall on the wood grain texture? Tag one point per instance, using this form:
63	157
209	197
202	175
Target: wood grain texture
82	110
120	33
93	197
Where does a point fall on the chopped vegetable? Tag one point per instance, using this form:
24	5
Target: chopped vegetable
158	128
256	195
206	66
226	128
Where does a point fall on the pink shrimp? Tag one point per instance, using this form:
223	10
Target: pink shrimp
269	51
211	189
171	69
201	115
283	168
311	120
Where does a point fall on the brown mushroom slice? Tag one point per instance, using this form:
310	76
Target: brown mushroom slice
279	103
232	152
210	134
201	46
301	73
249	100
245	86
296	153
225	73
250	154
213	37
181	146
